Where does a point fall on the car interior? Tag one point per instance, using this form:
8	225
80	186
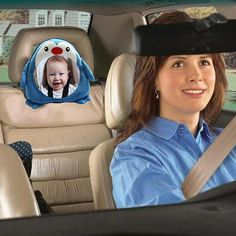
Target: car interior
118	94
73	144
61	135
24	202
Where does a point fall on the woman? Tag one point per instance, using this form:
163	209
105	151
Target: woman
175	101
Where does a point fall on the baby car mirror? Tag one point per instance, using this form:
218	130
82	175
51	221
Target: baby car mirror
56	73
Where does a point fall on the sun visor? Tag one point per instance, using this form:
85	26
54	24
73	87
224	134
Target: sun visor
213	34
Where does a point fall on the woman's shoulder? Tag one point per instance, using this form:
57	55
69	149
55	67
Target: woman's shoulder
140	139
215	131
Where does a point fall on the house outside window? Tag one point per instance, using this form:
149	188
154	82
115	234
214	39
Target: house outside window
41	18
58	18
84	20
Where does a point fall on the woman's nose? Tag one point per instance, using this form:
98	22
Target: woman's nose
195	74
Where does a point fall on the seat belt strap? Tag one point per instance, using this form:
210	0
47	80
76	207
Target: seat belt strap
210	160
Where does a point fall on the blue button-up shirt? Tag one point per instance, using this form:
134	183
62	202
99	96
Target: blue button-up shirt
150	166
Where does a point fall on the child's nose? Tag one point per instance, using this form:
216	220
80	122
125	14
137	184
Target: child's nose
57	76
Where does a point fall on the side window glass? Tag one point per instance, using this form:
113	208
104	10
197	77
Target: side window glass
230	61
11	21
195	12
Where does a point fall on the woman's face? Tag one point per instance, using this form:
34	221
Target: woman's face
57	74
186	84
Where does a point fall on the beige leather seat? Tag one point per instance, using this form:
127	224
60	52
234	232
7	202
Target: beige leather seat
17	198
118	94
62	135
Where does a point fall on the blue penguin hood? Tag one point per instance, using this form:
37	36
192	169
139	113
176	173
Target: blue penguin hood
32	75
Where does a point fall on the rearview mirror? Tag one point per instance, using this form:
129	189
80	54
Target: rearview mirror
213	34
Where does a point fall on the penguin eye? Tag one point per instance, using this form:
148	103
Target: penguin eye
67	49
46	49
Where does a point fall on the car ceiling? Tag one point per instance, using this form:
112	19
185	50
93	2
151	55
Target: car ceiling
102	7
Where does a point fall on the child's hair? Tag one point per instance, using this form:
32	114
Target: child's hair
58	59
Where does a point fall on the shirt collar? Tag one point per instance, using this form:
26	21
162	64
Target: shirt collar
203	128
162	127
166	129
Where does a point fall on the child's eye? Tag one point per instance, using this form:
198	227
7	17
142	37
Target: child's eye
51	74
178	64
61	74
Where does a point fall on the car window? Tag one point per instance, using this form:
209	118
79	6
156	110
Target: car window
230	58
11	21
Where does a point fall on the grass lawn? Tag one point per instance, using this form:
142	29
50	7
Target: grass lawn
4	74
231	77
231	105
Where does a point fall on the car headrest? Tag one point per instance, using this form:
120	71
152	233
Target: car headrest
27	39
119	90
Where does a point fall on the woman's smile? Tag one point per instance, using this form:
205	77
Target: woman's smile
194	93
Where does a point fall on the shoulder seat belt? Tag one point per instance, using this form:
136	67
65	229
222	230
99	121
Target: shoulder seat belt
210	160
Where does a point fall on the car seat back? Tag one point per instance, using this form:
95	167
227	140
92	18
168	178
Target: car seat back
118	95
17	198
62	135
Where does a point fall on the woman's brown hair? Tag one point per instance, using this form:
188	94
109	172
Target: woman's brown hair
60	59
144	104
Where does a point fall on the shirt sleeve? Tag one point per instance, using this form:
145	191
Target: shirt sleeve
140	179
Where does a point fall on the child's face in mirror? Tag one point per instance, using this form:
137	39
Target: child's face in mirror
57	74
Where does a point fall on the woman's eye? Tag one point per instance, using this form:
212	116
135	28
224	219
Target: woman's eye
178	64
205	63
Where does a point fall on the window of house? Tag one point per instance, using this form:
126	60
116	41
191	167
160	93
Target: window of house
58	17
58	20
41	18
